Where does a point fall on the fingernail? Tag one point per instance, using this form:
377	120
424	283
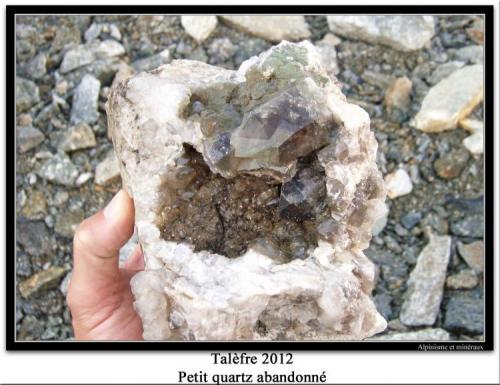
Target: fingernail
113	209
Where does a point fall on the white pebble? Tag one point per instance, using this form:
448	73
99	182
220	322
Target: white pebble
398	183
474	143
83	178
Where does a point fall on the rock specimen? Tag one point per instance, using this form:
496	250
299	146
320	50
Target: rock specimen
199	27
78	137
473	255
88	53
108	170
271	27
475	142
59	169
465	279
465	312
27	94
425	286
42	280
404	33
28	137
255	194
84	108
452	99
398	183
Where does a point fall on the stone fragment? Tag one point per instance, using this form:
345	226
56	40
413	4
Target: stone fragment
36	206
470	226
199	27
108	170
221	49
473	255
465	279
274	28
102	30
190	134
451	100
473	54
151	62
33	237
24	120
411	219
330	39
398	183
59	169
404	33
27	94
86	54
67	221
79	137
425	285
444	70
419	335
36	68
474	143
398	95
465	312
76	58
84	108
472	125
28	138
44	280
451	165
103	70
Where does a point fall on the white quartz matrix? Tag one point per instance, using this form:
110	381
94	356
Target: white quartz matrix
187	295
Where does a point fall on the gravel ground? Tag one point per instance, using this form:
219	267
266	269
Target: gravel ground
59	150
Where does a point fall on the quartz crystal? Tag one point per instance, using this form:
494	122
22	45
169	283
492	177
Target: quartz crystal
255	192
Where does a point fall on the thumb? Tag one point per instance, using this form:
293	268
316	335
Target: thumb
98	240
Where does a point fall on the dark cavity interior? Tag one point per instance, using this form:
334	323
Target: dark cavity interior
229	215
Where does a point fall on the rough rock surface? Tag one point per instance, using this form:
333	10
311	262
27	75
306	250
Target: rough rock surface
84	107
28	137
27	94
59	169
473	254
188	130
404	33
465	312
78	137
41	280
425	286
108	170
452	99
271	27
86	54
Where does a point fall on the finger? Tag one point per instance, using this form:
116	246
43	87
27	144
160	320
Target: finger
98	240
135	261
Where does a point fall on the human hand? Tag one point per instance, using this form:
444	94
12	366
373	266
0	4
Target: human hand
99	294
